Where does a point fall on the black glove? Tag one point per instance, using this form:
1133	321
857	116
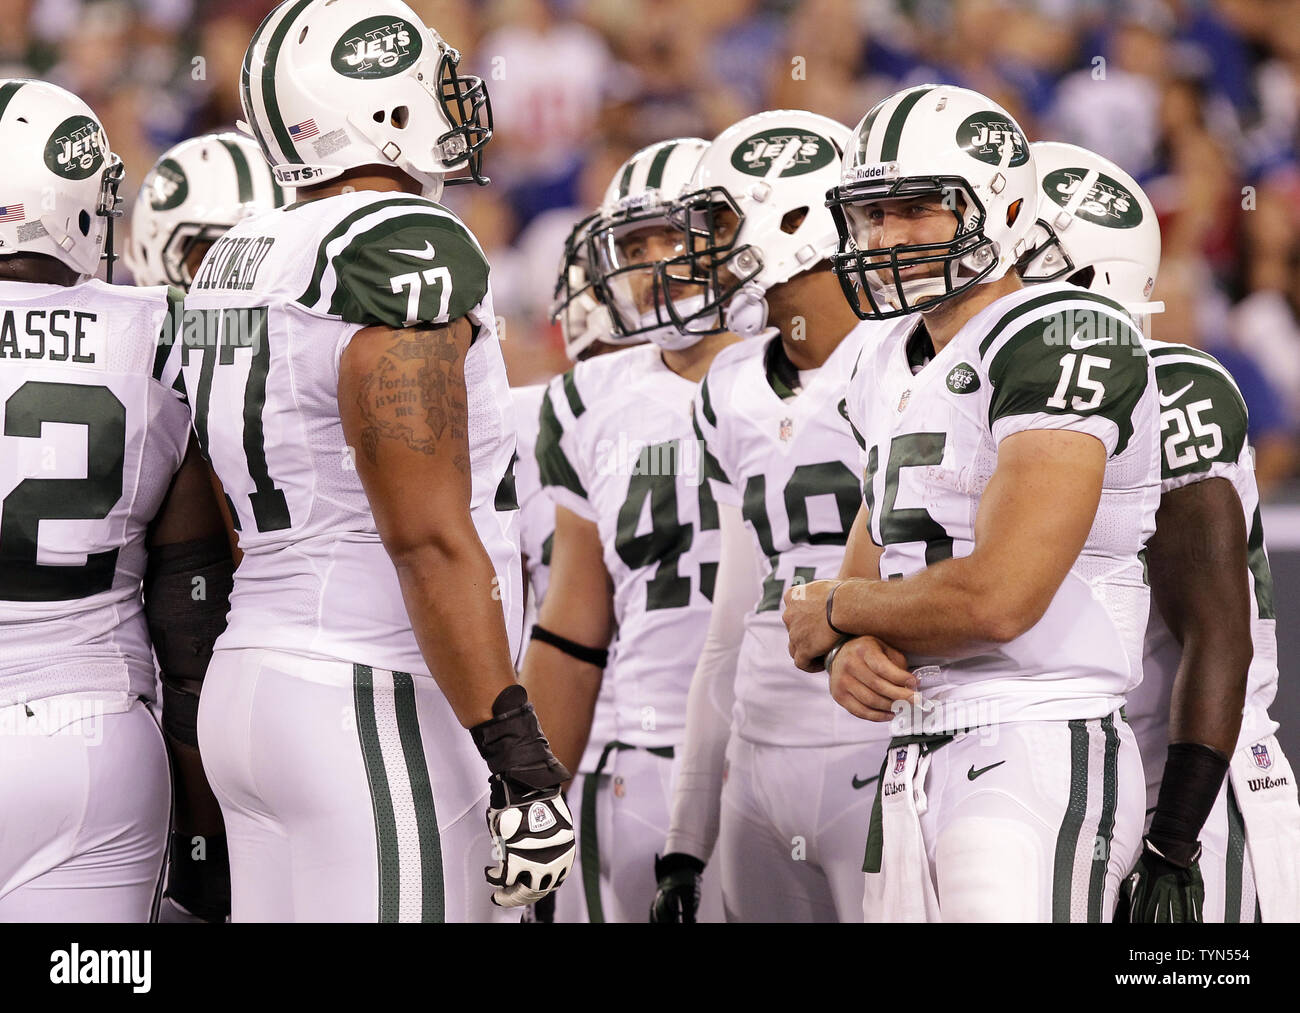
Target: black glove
200	886
678	898
1159	890
531	827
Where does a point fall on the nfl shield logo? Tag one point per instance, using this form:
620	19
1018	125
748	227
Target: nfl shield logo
902	401
1262	759
900	760
787	430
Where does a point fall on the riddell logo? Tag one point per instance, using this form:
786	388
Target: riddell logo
76	148
1264	783
377	47
876	170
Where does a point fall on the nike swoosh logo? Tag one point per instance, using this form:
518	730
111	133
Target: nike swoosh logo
864	782
1075	343
425	254
1165	402
973	773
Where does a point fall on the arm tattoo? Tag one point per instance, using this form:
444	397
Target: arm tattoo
416	394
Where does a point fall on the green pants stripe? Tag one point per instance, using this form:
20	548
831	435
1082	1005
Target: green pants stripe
432	901
1067	840
363	682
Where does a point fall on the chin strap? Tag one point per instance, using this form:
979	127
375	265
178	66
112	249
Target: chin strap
746	314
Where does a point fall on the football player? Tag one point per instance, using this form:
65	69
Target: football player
784	464
1011	477
636	543
1223	842
195	192
105	499
348	387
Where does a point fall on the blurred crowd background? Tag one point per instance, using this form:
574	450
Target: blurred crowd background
1198	99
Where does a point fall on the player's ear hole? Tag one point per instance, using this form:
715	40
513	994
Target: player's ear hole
378	117
793	219
401	117
84	221
302	36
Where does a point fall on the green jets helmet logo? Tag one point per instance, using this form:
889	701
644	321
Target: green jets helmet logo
76	148
962	379
167	186
1109	202
756	154
377	47
985	135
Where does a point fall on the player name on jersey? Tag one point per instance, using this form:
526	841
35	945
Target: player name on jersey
59	335
233	263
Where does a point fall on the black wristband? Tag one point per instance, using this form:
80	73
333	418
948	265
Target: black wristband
830	605
591	655
1191	782
512	743
201	885
677	861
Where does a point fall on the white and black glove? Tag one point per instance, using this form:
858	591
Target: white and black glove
530	823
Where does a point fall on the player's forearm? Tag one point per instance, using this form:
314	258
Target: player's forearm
453	600
1210	688
957	608
197	811
564	691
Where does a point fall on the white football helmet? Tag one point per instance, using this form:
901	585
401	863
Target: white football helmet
583	320
328	86
60	178
933	141
194	194
754	218
615	254
1096	227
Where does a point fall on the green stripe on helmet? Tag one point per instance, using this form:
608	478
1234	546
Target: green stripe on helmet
894	131
243	174
625	183
246	84
273	116
7	92
654	179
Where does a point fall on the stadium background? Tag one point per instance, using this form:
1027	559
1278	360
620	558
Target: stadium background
1198	99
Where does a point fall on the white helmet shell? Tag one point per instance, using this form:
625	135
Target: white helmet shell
59	184
1096	227
757	212
194	193
935	141
327	87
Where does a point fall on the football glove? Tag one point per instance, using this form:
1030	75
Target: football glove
529	822
1158	890
677	899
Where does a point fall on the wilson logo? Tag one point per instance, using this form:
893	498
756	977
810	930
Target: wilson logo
963	379
756	154
1108	202
167	187
985	135
377	47
76	148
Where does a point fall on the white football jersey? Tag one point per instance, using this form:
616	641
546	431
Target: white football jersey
781	451
1045	357
93	434
1203	436
617	447
270	312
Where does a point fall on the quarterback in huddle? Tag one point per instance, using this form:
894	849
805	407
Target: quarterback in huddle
879	557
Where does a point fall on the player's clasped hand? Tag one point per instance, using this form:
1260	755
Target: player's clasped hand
677	898
1158	890
867	677
805	621
529	821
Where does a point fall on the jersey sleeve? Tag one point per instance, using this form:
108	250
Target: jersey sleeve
1203	419
1078	369
168	352
557	447
705	421
417	264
